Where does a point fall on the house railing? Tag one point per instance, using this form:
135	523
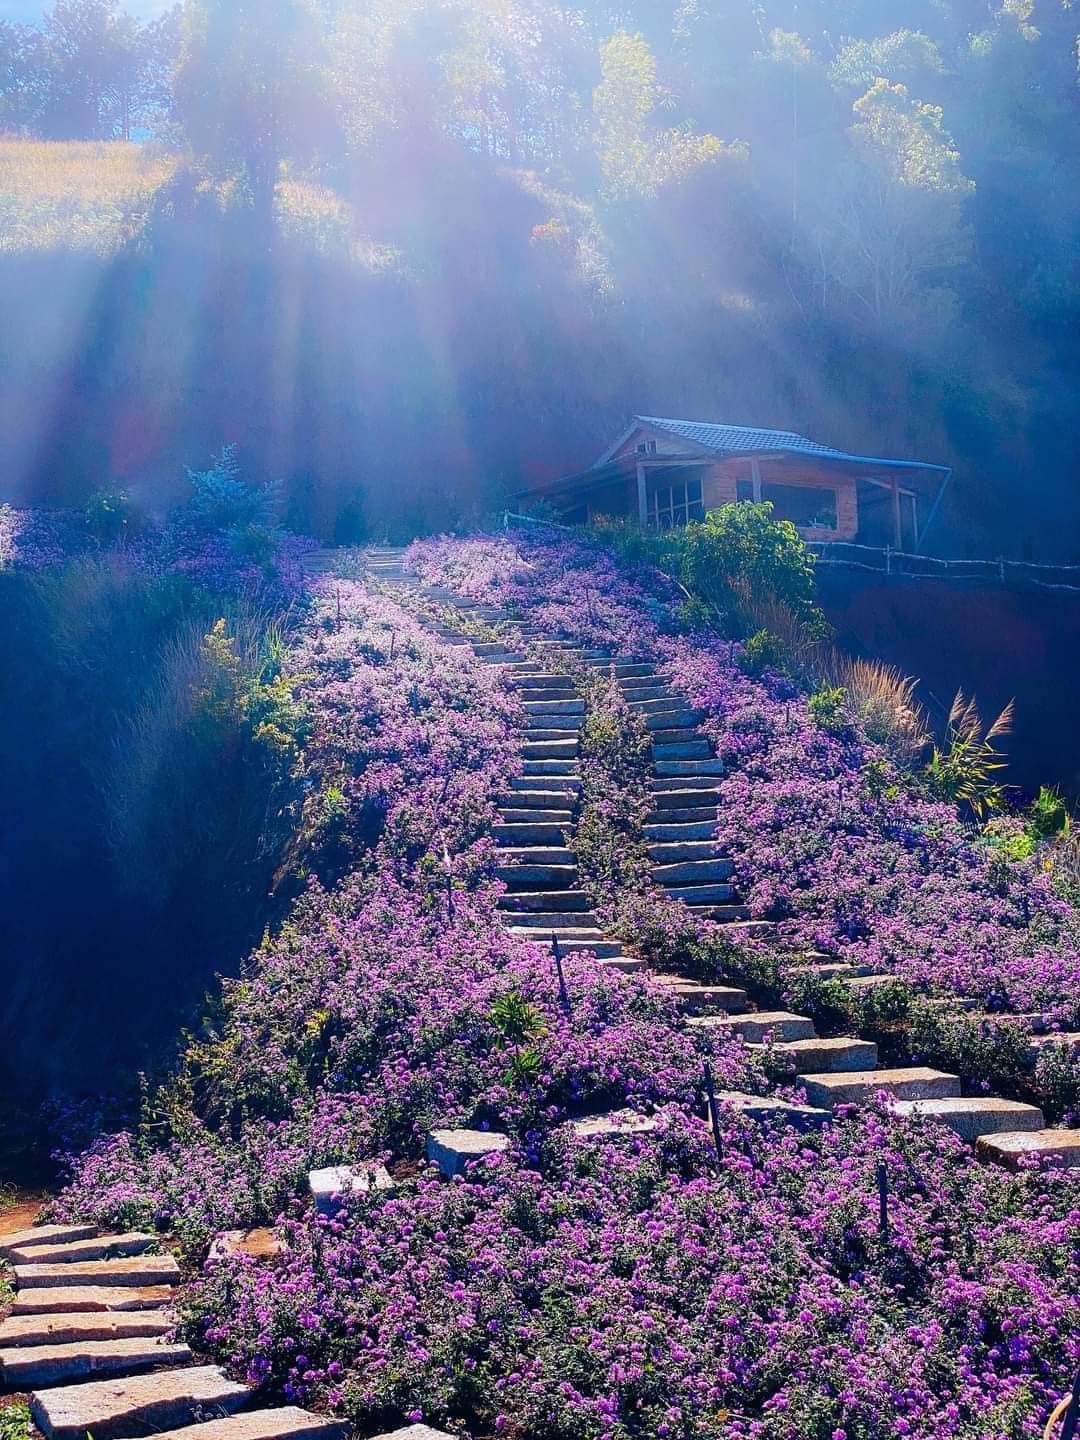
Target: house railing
884	560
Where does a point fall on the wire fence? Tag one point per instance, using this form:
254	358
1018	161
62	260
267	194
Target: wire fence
884	560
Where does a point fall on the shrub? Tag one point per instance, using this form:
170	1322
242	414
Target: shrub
827	710
760	652
962	769
881	701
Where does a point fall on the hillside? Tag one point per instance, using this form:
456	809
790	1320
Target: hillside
522	745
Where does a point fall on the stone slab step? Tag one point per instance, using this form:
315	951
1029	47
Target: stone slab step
557	856
45	1235
627	964
676	736
561	787
722	914
565	900
1067	1040
622	668
539	680
563	733
974	1117
555	818
288	1422
111	1409
568	769
683	815
24	1367
666	702
552	920
672	852
1060	1148
683	750
587	934
679	783
664	720
764	1109
781	1024
817	1056
136	1270
554	707
100	1247
527	876
68	1329
693	768
696	997
535	800
518	838
617	1125
689	871
549	750
709	895
682	832
89	1299
684	799
916	1082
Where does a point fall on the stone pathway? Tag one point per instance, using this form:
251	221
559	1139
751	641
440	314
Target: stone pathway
89	1337
543	898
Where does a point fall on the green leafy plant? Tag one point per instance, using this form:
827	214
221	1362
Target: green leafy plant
1047	814
761	651
827	709
15	1421
963	767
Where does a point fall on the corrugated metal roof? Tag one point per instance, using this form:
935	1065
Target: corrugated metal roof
746	439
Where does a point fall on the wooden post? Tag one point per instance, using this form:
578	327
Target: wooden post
755	479
898	528
642	495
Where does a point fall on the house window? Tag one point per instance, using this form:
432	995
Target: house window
807	506
674	505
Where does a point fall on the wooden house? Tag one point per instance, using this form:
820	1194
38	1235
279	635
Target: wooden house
667	472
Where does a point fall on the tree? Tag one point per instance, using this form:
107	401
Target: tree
249	89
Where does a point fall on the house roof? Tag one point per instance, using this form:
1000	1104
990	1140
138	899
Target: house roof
722	439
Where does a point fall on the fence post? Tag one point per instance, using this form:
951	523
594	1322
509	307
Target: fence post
888	559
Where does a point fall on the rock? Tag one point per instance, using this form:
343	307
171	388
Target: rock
453	1150
57	1364
282	1424
1057	1147
335	1183
88	1299
137	1270
259	1244
44	1235
66	1252
619	1124
762	1108
414	1432
972	1118
108	1409
916	1082
70	1328
816	1056
780	1024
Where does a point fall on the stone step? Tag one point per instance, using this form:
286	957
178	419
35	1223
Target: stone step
137	1270
683	750
723	914
768	1109
681	832
549	800
971	1118
44	1235
696	997
492	647
24	1367
1067	1040
526	877
816	1056
683	799
89	1299
529	689
111	1409
554	707
549	750
564	787
698	895
622	668
512	815
101	1247
516	837
553	920
539	680
782	1025
671	852
563	900
288	1422
664	720
627	964
559	856
560	768
678	736
651	705
1057	1148
72	1327
675	769
678	784
826	970
916	1082
691	871
563	735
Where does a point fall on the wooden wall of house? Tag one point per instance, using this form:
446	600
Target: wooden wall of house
722	480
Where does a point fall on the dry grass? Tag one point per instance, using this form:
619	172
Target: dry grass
76	195
882	699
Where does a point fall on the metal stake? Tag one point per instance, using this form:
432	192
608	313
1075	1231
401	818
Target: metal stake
883	1201
564	994
714	1114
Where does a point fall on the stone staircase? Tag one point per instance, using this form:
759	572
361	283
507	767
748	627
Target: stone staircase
90	1337
543	898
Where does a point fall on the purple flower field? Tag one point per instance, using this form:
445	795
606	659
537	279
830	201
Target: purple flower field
570	1290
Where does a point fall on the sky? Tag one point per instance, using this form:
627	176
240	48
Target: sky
27	10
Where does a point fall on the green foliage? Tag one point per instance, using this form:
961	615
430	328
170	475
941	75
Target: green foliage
111	518
15	1419
760	652
827	708
1048	814
962	769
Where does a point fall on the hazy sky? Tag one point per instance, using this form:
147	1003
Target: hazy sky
33	9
